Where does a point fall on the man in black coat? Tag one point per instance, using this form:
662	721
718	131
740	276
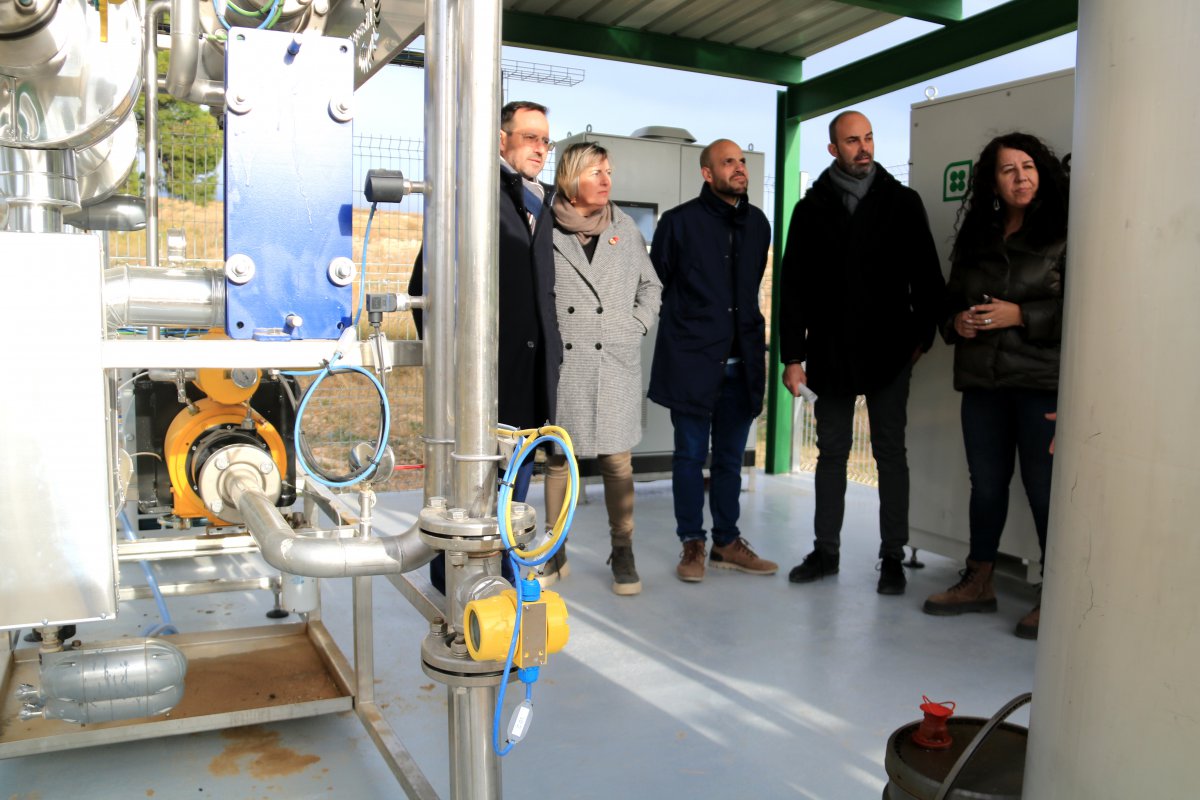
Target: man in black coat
529	347
709	367
860	297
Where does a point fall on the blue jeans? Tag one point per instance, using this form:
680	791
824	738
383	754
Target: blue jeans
998	426
887	410
437	567
728	426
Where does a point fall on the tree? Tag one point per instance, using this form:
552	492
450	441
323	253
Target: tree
190	145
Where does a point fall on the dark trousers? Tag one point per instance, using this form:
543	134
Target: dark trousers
727	427
999	425
437	567
887	409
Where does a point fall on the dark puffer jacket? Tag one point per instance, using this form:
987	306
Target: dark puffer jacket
1022	357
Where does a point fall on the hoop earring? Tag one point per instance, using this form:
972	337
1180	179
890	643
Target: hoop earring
996	204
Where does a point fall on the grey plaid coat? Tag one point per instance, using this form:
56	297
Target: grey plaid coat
604	308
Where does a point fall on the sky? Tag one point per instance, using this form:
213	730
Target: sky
617	98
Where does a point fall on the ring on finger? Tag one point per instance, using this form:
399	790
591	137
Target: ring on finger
987	321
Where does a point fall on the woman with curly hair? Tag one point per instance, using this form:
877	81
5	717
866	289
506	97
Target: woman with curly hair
1004	318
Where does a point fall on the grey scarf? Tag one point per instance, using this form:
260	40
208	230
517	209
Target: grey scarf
571	221
852	189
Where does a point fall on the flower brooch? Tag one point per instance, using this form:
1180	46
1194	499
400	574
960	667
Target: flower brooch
614	240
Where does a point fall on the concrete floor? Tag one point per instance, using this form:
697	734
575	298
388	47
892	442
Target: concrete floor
738	687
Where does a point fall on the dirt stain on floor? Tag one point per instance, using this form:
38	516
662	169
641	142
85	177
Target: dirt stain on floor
261	749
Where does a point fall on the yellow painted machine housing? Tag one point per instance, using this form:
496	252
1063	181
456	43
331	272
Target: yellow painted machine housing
183	432
218	383
489	627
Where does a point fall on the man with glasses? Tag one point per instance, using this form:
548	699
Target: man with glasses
530	348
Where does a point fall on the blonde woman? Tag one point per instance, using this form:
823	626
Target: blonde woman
607	298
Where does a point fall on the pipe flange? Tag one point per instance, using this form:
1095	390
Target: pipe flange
451	529
240	461
440	662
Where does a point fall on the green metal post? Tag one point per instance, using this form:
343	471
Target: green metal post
787	193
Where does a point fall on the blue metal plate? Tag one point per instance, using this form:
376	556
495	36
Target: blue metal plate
288	182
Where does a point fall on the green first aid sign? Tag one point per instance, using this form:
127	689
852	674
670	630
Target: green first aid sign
955	180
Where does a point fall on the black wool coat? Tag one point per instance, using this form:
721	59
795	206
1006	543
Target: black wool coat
529	345
710	257
858	294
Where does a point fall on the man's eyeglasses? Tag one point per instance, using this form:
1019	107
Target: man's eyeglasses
530	139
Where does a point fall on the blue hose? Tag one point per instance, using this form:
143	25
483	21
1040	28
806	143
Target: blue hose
524	450
385	429
166	626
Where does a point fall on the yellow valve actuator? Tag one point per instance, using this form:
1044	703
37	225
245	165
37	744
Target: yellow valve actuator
489	627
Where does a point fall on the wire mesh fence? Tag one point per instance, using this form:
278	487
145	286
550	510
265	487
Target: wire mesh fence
860	466
344	412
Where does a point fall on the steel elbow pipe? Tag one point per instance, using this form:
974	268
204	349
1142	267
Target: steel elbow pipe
322	558
185	47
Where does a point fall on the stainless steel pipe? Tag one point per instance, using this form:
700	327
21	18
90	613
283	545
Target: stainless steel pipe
312	557
470	712
150	15
441	37
38	187
475	772
185	48
477	328
182	298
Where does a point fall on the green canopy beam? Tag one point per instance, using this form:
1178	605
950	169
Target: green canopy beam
1006	28
787	194
943	12
541	32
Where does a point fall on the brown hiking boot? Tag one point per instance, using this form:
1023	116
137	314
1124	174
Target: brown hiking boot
973	593
738	555
1027	628
691	561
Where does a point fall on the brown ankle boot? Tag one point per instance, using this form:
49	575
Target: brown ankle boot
973	593
1027	628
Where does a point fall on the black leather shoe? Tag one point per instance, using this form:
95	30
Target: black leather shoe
891	577
816	564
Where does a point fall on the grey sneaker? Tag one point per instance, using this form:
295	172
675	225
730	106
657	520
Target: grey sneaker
625	577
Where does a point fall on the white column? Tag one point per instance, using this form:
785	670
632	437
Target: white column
1116	702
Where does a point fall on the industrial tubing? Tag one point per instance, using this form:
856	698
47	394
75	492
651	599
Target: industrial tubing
314	557
184	298
438	238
